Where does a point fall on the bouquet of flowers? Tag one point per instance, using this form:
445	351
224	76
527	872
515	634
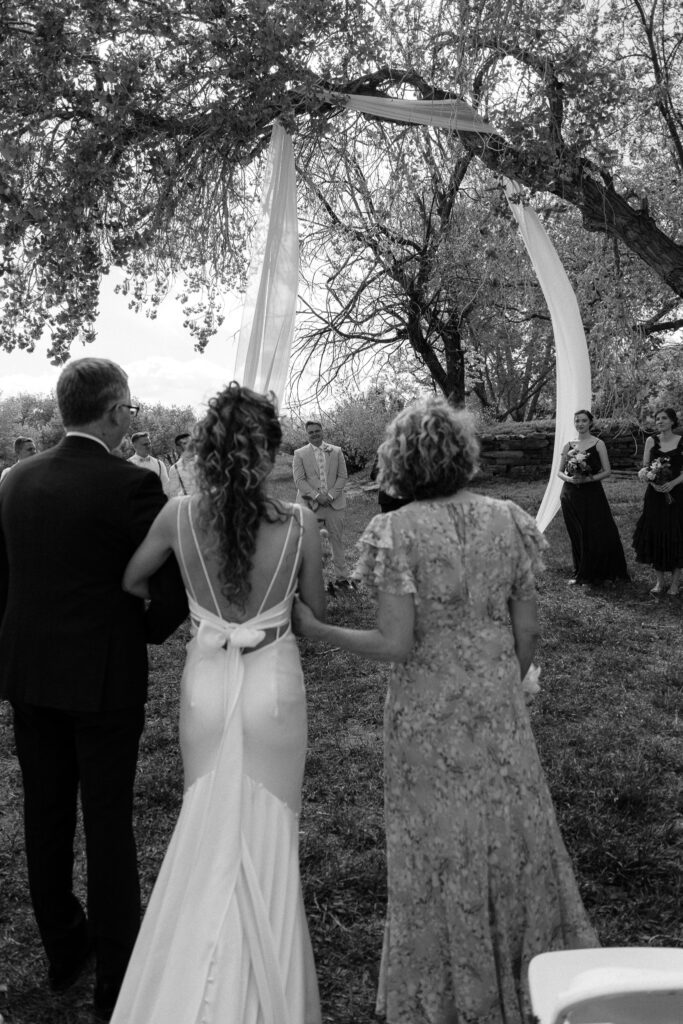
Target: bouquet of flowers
659	472
577	463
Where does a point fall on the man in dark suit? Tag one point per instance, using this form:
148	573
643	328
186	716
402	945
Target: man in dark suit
73	663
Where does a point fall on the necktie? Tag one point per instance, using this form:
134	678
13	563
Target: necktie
320	457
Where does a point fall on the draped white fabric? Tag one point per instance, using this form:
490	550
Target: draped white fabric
454	115
267	329
268	318
572	365
571	353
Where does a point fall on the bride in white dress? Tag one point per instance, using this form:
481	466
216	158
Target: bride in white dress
225	939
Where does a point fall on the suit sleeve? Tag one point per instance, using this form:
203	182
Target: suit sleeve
4	574
168	605
300	480
342	475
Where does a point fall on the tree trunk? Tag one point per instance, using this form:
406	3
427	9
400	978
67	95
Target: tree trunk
602	208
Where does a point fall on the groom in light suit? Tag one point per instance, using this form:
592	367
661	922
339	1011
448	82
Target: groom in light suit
73	663
320	475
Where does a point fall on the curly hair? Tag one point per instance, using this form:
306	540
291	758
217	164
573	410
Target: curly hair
236	444
430	451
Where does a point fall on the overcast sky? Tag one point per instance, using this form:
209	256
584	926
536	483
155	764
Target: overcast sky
158	355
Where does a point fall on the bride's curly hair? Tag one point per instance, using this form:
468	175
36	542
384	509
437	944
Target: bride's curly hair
236	444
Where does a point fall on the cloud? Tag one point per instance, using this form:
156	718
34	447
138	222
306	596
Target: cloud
174	381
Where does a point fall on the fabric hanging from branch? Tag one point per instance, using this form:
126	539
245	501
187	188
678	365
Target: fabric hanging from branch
454	115
267	329
573	375
572	365
265	339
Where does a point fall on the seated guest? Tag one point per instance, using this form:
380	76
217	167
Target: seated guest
479	880
24	448
144	459
182	475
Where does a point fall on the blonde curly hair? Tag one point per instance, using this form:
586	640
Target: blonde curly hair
430	451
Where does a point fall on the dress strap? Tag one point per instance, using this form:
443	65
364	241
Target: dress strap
180	550
201	559
278	567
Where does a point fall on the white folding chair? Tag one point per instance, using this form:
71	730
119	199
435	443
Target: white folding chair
621	985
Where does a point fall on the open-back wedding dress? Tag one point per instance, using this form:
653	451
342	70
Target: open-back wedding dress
225	939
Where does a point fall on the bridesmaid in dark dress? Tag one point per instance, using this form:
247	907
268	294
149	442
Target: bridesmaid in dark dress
658	537
597	551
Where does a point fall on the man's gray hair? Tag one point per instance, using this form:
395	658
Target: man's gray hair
87	388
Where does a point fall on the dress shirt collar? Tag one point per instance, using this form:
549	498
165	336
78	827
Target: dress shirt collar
90	437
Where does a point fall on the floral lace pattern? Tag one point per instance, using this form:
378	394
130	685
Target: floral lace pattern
479	879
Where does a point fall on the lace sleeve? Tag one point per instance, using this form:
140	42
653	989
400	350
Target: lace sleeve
384	562
530	544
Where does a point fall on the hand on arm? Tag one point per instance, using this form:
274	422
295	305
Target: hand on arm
391	640
524	620
152	553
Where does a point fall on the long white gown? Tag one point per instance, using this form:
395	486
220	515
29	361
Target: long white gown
225	938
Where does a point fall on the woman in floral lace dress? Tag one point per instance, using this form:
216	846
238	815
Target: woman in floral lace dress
479	880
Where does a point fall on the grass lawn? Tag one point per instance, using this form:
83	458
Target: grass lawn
608	726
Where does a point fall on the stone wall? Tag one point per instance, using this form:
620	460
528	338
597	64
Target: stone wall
528	447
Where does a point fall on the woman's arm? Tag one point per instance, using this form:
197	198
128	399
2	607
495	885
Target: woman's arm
646	459
311	585
524	620
390	640
604	462
152	553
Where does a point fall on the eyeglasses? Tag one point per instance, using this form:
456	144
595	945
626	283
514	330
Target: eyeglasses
134	409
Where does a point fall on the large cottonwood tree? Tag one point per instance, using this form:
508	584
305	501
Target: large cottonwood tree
130	128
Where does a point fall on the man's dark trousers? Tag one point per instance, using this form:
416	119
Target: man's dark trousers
58	751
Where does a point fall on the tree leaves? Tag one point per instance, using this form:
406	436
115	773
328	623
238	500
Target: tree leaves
132	130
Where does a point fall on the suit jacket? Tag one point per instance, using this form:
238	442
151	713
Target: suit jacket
70	638
307	476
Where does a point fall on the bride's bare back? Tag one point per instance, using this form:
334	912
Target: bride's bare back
274	562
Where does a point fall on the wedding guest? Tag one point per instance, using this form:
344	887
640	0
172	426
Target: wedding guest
597	550
658	536
145	460
73	663
182	478
479	880
319	471
24	448
225	939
